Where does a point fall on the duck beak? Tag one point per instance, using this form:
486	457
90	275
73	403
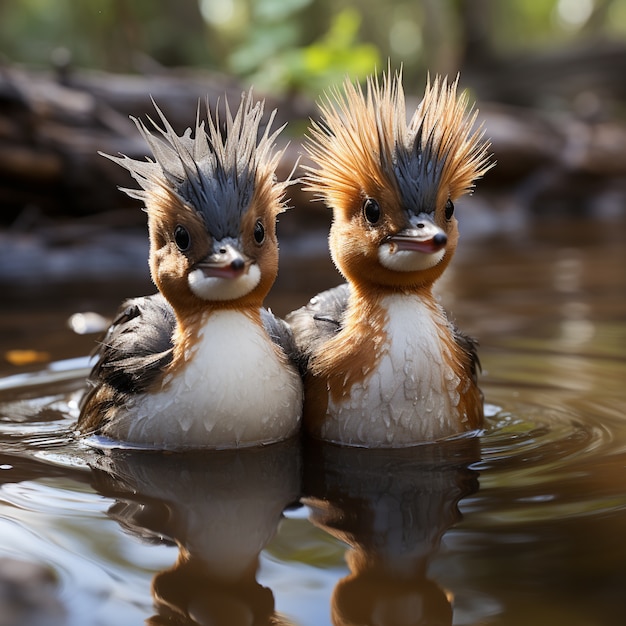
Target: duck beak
225	260
423	235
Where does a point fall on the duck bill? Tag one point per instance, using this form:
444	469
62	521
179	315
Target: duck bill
422	236
225	261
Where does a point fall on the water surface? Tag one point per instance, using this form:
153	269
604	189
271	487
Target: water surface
520	524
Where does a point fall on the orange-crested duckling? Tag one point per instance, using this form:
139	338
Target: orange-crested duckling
202	363
384	367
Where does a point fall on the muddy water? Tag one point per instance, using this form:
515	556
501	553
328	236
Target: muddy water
521	524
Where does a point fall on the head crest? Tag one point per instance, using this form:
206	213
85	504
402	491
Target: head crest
365	136
215	171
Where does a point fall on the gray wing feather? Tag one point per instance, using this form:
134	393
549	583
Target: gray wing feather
318	321
280	333
137	346
469	345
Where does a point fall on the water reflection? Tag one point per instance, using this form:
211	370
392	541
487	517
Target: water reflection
392	508
576	327
220	509
541	540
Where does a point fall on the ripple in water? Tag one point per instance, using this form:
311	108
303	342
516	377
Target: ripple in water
538	499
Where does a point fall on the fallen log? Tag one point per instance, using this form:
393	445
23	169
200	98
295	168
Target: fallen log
52	127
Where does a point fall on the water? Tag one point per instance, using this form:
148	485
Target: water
520	524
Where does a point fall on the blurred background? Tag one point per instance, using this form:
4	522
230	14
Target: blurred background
539	277
547	76
302	46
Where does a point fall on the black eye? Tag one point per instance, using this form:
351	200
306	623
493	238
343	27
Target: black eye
371	210
259	232
449	209
182	238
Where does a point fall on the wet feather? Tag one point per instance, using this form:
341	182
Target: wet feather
214	170
365	135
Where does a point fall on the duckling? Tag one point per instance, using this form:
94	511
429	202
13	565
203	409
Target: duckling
384	367
202	363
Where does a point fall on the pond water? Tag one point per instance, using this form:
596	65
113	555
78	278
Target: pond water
521	524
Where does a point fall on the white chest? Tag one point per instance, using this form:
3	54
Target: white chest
412	393
235	389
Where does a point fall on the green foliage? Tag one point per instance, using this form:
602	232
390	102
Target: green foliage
291	46
271	60
105	34
338	53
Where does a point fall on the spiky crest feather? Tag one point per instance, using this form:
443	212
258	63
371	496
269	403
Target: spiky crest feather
365	136
215	172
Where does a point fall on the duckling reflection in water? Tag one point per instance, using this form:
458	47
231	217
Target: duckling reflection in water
220	509
391	507
202	364
384	365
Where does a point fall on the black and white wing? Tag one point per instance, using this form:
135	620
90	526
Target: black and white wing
316	322
134	352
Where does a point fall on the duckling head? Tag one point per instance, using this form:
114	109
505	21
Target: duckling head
212	200
392	182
